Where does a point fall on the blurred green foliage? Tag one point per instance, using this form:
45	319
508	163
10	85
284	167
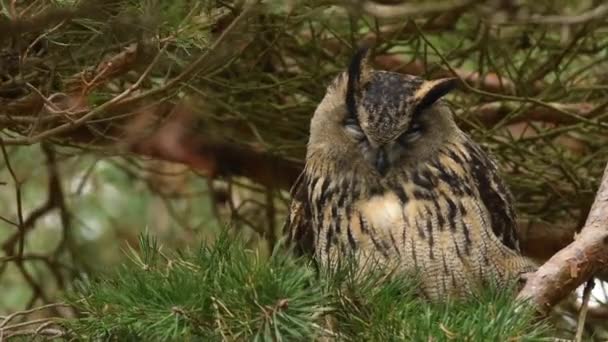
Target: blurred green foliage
111	201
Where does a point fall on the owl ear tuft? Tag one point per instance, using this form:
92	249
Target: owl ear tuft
431	91
359	73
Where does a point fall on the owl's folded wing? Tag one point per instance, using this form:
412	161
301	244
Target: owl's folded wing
496	197
298	226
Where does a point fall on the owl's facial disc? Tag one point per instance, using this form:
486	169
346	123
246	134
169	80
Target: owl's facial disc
384	108
385	105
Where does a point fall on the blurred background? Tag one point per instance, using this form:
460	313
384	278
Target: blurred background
187	118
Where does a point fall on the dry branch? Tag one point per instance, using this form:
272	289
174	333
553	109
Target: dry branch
114	66
396	11
175	142
583	311
575	264
489	81
491	113
595	13
32	327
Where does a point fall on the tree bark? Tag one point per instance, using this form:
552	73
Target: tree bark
578	262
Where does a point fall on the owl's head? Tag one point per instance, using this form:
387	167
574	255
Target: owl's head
383	117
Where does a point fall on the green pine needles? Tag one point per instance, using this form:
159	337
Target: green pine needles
224	292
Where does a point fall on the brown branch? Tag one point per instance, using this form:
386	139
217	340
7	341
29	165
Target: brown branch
490	81
491	113
48	333
54	190
174	141
47	327
20	235
583	311
34	109
439	23
396	11
37	289
69	126
596	13
210	58
576	263
26	225
116	65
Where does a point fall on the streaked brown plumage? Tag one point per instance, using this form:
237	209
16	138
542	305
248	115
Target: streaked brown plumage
389	175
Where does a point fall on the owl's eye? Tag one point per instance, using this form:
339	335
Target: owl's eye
353	129
412	134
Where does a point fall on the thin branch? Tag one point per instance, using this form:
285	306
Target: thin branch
583	312
409	9
206	59
540	103
54	200
43	329
7	319
190	71
597	13
91	114
491	113
21	227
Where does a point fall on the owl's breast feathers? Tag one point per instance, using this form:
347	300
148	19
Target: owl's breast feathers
450	217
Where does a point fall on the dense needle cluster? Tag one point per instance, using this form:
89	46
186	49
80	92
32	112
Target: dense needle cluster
389	177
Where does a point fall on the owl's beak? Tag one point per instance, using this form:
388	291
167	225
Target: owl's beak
381	163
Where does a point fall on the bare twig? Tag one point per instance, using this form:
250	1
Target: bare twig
21	227
9	318
53	200
583	311
113	66
46	327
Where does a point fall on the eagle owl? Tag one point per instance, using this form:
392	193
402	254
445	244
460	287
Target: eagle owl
389	175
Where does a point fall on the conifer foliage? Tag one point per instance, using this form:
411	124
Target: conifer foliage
225	292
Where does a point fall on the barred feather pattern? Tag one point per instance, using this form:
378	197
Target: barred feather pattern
449	219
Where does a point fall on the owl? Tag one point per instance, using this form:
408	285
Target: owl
390	177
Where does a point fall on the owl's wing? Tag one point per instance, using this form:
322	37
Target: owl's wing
495	196
298	226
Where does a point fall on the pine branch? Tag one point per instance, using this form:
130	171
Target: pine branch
225	292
